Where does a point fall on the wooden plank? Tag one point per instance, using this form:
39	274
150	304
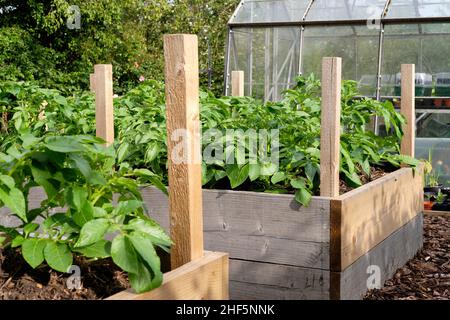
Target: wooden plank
265	281
274	228
104	112
330	127
407	109
369	214
201	279
432	213
92	82
391	254
182	101
237	83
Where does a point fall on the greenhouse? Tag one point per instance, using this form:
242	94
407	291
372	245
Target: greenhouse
273	41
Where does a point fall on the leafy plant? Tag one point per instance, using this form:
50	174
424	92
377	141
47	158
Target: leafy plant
79	217
141	134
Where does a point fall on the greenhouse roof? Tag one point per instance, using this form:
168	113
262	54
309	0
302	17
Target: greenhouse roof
316	11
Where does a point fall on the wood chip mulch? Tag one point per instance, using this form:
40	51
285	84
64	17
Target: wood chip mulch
427	276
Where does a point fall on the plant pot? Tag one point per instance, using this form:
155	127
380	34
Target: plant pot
433	190
441	207
447	102
428	205
446	191
437	102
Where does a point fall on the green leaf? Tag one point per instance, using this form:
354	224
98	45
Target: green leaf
278	177
84	214
142	280
124	255
152	152
128	207
92	232
237	175
144	247
122	152
100	249
15	201
268	169
33	251
76	197
8	181
152	229
303	196
254	171
58	256
17	241
64	144
29	228
298	183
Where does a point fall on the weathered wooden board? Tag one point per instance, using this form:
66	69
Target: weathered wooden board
267	281
364	217
389	255
202	279
432	213
274	228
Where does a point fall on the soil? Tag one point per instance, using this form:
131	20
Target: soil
18	281
427	276
375	173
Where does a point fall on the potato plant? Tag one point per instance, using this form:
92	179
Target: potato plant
141	134
78	216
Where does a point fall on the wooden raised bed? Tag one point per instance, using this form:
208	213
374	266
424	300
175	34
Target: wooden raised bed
280	250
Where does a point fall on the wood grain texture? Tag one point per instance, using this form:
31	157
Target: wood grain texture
330	127
104	112
389	255
201	279
407	109
432	213
265	281
183	132
369	214
237	83
259	226
92	82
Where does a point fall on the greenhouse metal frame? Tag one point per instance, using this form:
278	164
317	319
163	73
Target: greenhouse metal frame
269	41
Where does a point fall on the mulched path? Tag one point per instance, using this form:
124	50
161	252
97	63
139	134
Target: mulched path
427	276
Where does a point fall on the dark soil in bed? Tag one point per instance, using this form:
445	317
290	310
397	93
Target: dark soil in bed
427	276
18	281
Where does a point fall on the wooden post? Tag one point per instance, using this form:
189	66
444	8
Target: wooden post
92	82
185	187
407	109
237	83
330	127
104	113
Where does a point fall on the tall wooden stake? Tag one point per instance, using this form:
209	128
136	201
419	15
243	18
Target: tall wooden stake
92	82
104	112
185	187
330	127
408	109
237	83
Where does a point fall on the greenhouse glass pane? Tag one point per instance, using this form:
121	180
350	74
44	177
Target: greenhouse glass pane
418	8
323	10
269	58
270	11
428	47
440	155
357	46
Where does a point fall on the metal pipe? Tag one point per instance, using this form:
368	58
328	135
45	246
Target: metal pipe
227	62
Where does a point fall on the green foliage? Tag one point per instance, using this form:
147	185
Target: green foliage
76	174
141	135
36	44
